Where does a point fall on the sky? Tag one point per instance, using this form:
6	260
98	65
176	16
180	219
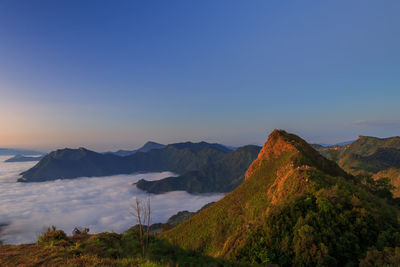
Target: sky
114	74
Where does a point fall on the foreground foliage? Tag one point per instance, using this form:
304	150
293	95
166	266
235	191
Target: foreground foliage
54	248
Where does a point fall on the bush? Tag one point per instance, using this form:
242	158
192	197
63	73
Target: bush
387	257
54	237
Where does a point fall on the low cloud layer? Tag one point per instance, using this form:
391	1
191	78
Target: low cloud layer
101	204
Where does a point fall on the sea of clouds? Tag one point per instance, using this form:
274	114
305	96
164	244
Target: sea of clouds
99	203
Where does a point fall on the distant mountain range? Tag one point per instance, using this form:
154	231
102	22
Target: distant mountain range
338	144
145	148
13	152
21	158
72	163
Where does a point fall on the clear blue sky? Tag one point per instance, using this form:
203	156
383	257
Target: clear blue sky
113	74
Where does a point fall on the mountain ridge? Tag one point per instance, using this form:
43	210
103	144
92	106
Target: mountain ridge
367	155
149	145
15	151
73	163
21	158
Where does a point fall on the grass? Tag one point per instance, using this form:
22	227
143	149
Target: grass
54	248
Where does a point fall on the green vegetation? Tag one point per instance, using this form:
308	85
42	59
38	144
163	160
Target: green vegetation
366	154
73	163
393	174
379	157
104	249
223	175
180	217
294	208
331	152
53	237
389	257
367	145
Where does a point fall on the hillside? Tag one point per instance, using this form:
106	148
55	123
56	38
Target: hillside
331	152
394	176
381	159
223	175
371	155
368	156
368	145
295	207
145	148
73	163
55	248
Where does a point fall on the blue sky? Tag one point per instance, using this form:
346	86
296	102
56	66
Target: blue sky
114	74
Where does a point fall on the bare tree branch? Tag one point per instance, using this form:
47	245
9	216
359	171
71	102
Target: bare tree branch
142	211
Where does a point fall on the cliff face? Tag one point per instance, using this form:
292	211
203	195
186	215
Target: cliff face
272	149
280	142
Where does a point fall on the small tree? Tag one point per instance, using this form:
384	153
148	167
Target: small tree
142	211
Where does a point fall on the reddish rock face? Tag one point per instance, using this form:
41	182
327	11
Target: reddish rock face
273	148
280	142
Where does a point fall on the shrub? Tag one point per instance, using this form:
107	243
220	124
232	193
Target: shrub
54	237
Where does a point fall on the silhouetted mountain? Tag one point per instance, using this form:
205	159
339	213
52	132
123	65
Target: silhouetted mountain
201	145
221	176
295	208
145	148
21	158
73	163
13	152
337	144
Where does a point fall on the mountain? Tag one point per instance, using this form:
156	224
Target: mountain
381	159
367	155
21	158
176	219
367	145
72	163
223	175
13	152
295	208
344	143
371	154
145	148
337	144
331	152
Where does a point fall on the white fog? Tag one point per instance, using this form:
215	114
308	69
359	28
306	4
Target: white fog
101	203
